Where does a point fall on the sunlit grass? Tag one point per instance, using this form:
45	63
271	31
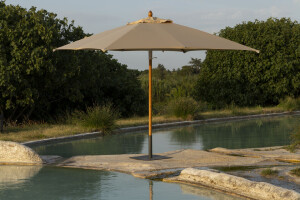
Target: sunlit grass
290	103
237	111
40	131
136	121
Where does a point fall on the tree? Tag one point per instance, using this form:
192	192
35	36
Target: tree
37	83
167	85
247	78
160	72
196	64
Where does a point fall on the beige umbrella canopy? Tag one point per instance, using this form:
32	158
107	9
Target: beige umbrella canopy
154	34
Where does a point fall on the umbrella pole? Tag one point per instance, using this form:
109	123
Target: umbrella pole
150	106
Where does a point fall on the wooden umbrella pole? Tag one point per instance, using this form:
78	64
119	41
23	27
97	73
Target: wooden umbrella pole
150	190
150	105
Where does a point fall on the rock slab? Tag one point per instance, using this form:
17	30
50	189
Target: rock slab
183	158
236	185
15	153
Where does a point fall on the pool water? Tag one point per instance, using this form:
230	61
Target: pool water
36	182
252	133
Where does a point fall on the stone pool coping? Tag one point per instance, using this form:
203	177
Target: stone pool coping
155	126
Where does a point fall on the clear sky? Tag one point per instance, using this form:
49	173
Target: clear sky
207	15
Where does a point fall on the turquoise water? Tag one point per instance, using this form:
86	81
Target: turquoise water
252	133
35	182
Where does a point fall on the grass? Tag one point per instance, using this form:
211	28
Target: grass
295	141
138	121
100	118
40	131
269	172
290	103
185	107
296	171
36	131
237	111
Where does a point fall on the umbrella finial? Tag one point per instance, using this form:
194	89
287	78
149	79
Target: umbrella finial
150	13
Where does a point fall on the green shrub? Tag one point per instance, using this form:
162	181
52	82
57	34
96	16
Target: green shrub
159	108
268	172
185	107
296	171
102	118
295	140
290	103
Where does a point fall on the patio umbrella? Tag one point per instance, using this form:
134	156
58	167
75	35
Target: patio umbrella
154	34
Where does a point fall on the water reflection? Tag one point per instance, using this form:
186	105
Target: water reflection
69	184
55	183
114	144
249	133
211	194
237	134
15	176
186	136
150	190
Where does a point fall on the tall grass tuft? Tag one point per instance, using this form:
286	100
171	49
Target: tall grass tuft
185	107
296	171
269	172
100	118
295	140
290	103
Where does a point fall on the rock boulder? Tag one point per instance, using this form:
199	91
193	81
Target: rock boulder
236	185
15	153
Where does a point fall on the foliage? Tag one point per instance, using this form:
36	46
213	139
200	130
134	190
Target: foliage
296	171
184	107
295	140
37	83
168	85
269	172
101	118
196	64
290	103
248	78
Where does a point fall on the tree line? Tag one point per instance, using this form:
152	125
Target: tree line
37	83
250	79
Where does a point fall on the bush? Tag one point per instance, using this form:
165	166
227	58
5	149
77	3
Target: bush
102	118
160	108
296	171
295	138
290	103
185	108
268	172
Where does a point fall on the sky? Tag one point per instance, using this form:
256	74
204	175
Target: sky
211	16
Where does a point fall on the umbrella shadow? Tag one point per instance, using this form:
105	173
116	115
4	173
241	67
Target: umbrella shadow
154	157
